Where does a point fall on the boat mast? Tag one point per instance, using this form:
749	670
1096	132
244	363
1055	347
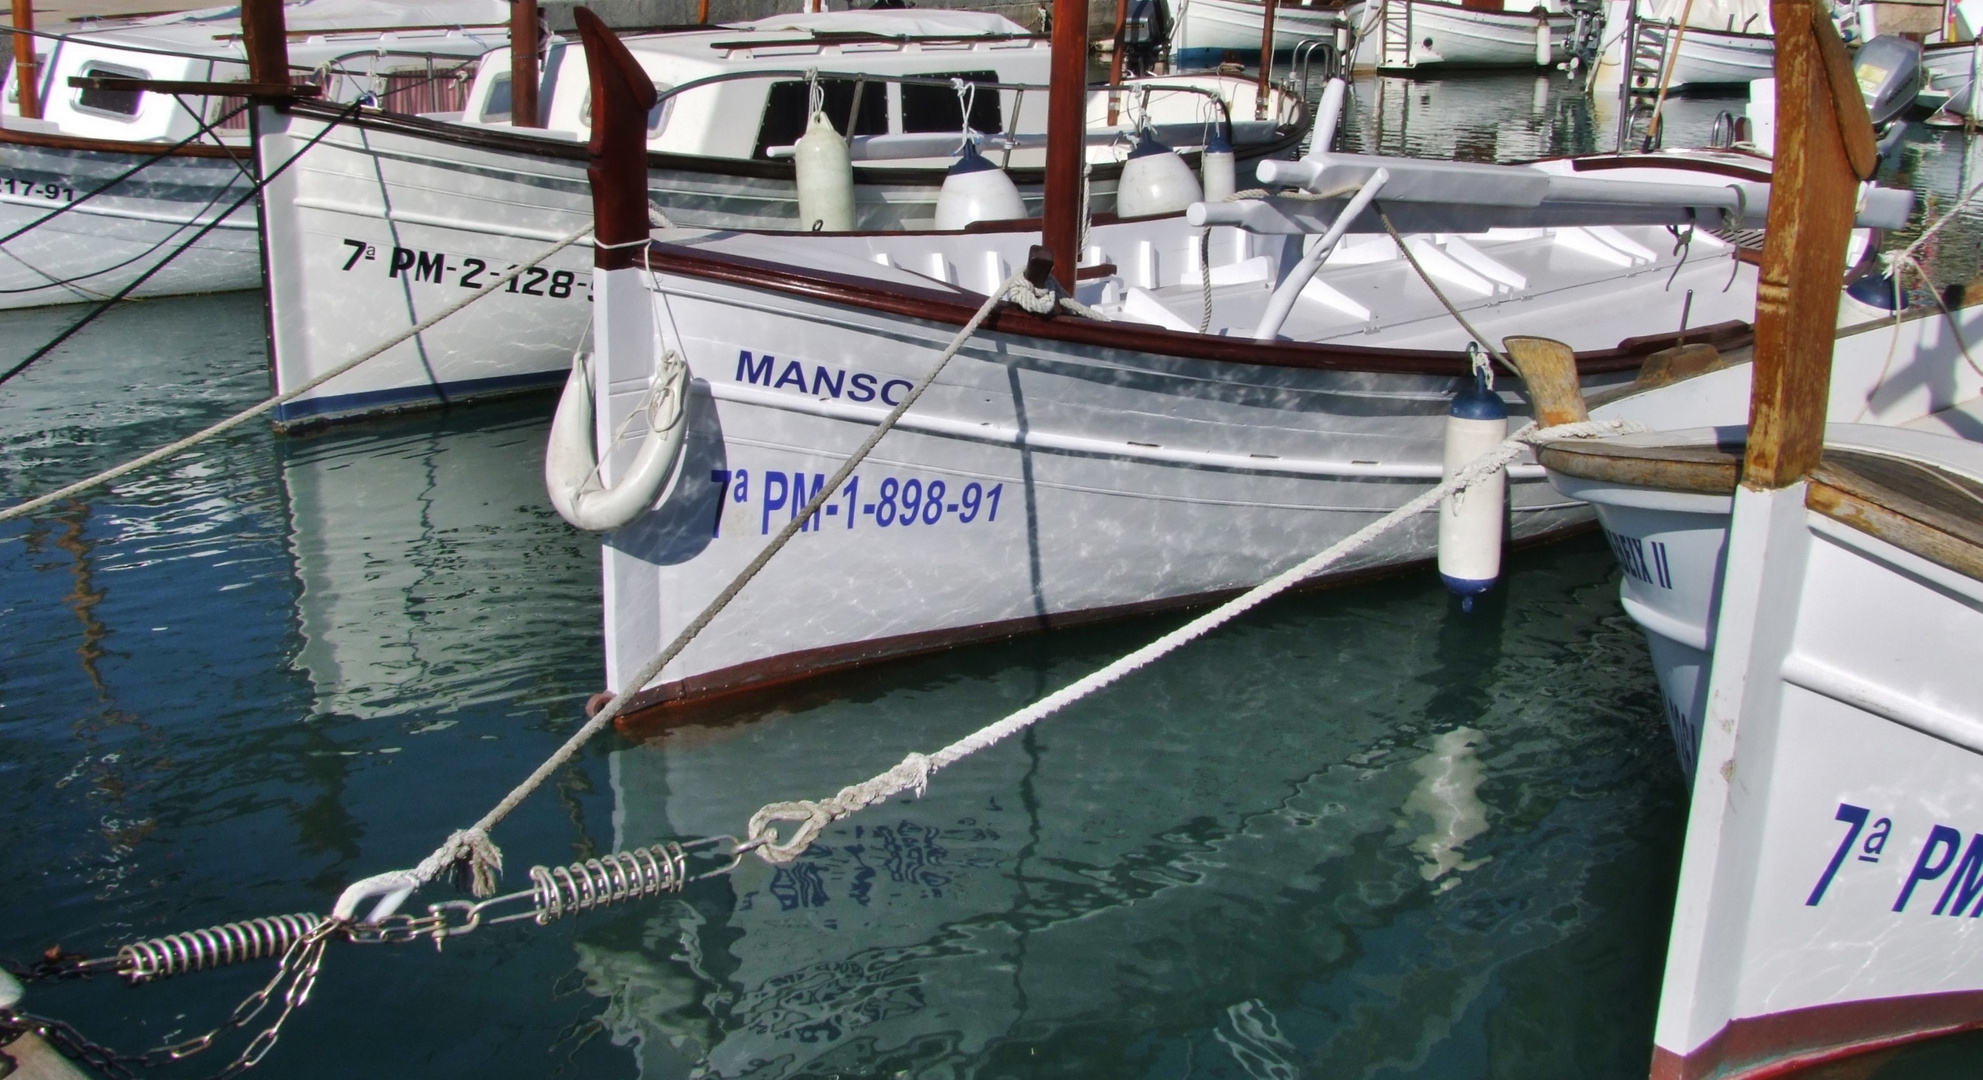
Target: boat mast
1824	148
27	73
523	64
1067	129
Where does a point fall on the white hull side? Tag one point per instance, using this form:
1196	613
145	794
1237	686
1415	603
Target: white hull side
1857	741
1715	58
91	252
1462	38
1950	72
1123	479
1209	26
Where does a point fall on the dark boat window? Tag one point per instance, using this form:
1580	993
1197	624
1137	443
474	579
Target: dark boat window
935	108
497	109
785	111
122	104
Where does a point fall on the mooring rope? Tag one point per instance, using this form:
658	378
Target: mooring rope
913	772
23	509
470	851
1406	251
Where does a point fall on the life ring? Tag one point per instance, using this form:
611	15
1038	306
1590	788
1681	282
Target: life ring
571	469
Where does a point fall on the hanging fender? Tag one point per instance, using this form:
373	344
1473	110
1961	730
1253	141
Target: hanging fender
571	470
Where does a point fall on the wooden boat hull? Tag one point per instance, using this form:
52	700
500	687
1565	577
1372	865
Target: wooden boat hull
1828	862
1723	58
1088	469
100	247
1951	70
1207	29
1449	36
389	219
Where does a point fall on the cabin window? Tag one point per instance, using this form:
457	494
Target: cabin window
657	117
7	73
785	115
122	104
497	109
935	108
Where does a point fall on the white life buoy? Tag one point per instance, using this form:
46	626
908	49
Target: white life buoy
571	469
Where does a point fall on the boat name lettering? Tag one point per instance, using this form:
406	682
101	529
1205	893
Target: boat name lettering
53	192
469	272
825	381
1869	851
896	503
1944	858
1633	555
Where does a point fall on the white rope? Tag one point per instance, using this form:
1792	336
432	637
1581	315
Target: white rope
242	417
811	817
471	848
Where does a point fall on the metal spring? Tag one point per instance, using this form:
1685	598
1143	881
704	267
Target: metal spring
215	946
626	875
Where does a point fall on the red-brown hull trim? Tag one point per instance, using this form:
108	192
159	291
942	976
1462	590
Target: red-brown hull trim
1783	1044
44	140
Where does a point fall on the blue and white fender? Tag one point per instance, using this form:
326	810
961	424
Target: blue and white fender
571	468
1470	523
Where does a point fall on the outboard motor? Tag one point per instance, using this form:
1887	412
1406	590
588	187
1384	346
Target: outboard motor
1888	69
1146	36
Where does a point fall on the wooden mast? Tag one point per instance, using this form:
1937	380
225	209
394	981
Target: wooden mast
1266	56
1067	130
1824	146
27	73
266	41
1115	56
523	64
621	95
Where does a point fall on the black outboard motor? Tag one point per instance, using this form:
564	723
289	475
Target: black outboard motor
1888	69
1146	36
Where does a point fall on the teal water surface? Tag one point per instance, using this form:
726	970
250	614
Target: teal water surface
1356	834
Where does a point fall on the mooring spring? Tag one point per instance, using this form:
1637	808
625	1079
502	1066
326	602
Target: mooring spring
622	876
215	946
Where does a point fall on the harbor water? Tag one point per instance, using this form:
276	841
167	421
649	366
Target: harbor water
1358	833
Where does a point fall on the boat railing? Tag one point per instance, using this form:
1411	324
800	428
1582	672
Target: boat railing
1011	136
1334	60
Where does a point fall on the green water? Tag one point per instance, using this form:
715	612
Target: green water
1356	834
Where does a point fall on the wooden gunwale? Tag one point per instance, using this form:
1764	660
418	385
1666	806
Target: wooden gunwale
1706	470
50	141
498	139
1912	505
956	308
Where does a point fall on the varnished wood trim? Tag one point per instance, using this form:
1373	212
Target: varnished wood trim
1915	507
51	141
1760	172
1708	470
956	308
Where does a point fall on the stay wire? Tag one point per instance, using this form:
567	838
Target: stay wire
120	294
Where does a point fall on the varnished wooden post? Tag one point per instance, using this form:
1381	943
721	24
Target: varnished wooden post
523	64
265	38
1115	56
1812	193
1067	131
27	73
1266	57
621	95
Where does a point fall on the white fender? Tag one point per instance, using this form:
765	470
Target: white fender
571	469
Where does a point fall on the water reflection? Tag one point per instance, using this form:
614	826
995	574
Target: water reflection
1204	865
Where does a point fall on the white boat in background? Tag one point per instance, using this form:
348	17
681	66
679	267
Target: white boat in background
385	220
1722	43
1070	469
1206	30
1404	35
1806	561
1951	69
403	57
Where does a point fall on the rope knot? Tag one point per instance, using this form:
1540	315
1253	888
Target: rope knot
474	861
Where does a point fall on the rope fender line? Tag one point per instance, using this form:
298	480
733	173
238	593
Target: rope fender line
21	510
912	774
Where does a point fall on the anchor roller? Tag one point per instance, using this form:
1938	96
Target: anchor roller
1470	522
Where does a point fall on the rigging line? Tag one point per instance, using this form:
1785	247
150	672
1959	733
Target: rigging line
74	281
175	253
125	175
171	449
1406	250
472	844
912	774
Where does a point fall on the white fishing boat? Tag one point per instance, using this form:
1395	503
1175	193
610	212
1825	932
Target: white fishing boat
1073	468
147	170
1206	30
395	218
1702	43
1404	35
1802	544
1950	69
